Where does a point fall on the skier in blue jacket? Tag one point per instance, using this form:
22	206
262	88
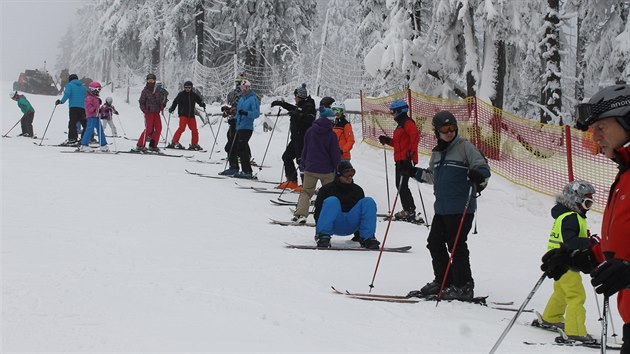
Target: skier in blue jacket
75	93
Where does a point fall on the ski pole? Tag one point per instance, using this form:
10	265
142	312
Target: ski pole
604	337
168	122
215	139
520	310
121	125
269	142
389	222
282	169
424	211
15	125
459	231
45	130
389	209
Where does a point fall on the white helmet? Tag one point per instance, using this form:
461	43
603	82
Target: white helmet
12	94
109	100
338	107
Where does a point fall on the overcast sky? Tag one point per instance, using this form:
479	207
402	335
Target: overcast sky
30	33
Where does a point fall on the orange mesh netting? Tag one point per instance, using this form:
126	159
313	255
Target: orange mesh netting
541	157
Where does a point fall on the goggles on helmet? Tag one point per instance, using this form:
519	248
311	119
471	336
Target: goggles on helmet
588	113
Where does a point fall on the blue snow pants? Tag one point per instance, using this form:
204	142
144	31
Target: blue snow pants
93	123
333	221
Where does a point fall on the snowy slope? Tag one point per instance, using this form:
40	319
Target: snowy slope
126	253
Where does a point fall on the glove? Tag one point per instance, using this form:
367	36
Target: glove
383	139
202	105
242	112
116	112
558	261
171	110
476	177
57	102
276	103
611	276
225	108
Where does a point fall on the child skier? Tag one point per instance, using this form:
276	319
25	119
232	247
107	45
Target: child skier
92	107
106	113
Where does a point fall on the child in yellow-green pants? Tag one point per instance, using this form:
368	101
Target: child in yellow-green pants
565	308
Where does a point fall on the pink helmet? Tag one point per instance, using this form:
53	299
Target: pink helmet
95	86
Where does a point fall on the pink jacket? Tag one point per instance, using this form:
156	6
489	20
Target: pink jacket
92	105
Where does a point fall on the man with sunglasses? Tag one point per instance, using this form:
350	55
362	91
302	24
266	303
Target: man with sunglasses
569	231
607	114
341	208
456	169
185	101
302	115
151	105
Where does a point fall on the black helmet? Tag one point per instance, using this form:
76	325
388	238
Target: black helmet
326	101
73	77
188	84
612	101
151	77
344	166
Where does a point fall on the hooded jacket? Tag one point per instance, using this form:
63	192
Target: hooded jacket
321	153
75	92
250	104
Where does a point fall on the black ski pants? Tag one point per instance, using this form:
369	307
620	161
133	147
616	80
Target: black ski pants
77	115
440	243
292	152
244	154
26	123
404	193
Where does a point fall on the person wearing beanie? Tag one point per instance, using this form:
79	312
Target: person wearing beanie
151	105
343	130
405	143
75	93
301	117
186	100
319	159
28	113
341	208
607	114
457	170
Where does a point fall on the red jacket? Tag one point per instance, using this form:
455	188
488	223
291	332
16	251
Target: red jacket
615	236
405	140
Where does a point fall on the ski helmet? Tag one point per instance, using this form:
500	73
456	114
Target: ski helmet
580	193
338	107
301	91
326	101
442	118
612	101
151	77
399	107
109	100
94	87
73	77
13	94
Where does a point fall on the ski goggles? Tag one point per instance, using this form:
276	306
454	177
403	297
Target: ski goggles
447	128
349	173
338	110
589	113
587	203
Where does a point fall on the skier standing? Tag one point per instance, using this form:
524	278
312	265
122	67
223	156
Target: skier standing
405	142
454	168
186	100
151	105
75	92
92	108
302	115
343	130
107	115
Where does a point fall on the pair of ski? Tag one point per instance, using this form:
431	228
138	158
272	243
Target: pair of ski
151	153
411	298
403	249
92	150
184	149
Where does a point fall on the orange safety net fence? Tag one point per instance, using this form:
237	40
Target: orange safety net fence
542	157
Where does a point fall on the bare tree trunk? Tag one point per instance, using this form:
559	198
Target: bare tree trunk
580	64
155	56
200	15
551	93
621	67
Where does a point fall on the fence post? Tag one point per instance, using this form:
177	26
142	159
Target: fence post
362	118
477	129
567	138
409	103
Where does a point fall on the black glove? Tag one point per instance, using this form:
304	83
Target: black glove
475	176
202	105
383	139
276	103
611	276
225	108
171	110
115	112
242	112
558	261
57	102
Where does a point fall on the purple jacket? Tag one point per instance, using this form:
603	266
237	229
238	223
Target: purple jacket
321	152
92	105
